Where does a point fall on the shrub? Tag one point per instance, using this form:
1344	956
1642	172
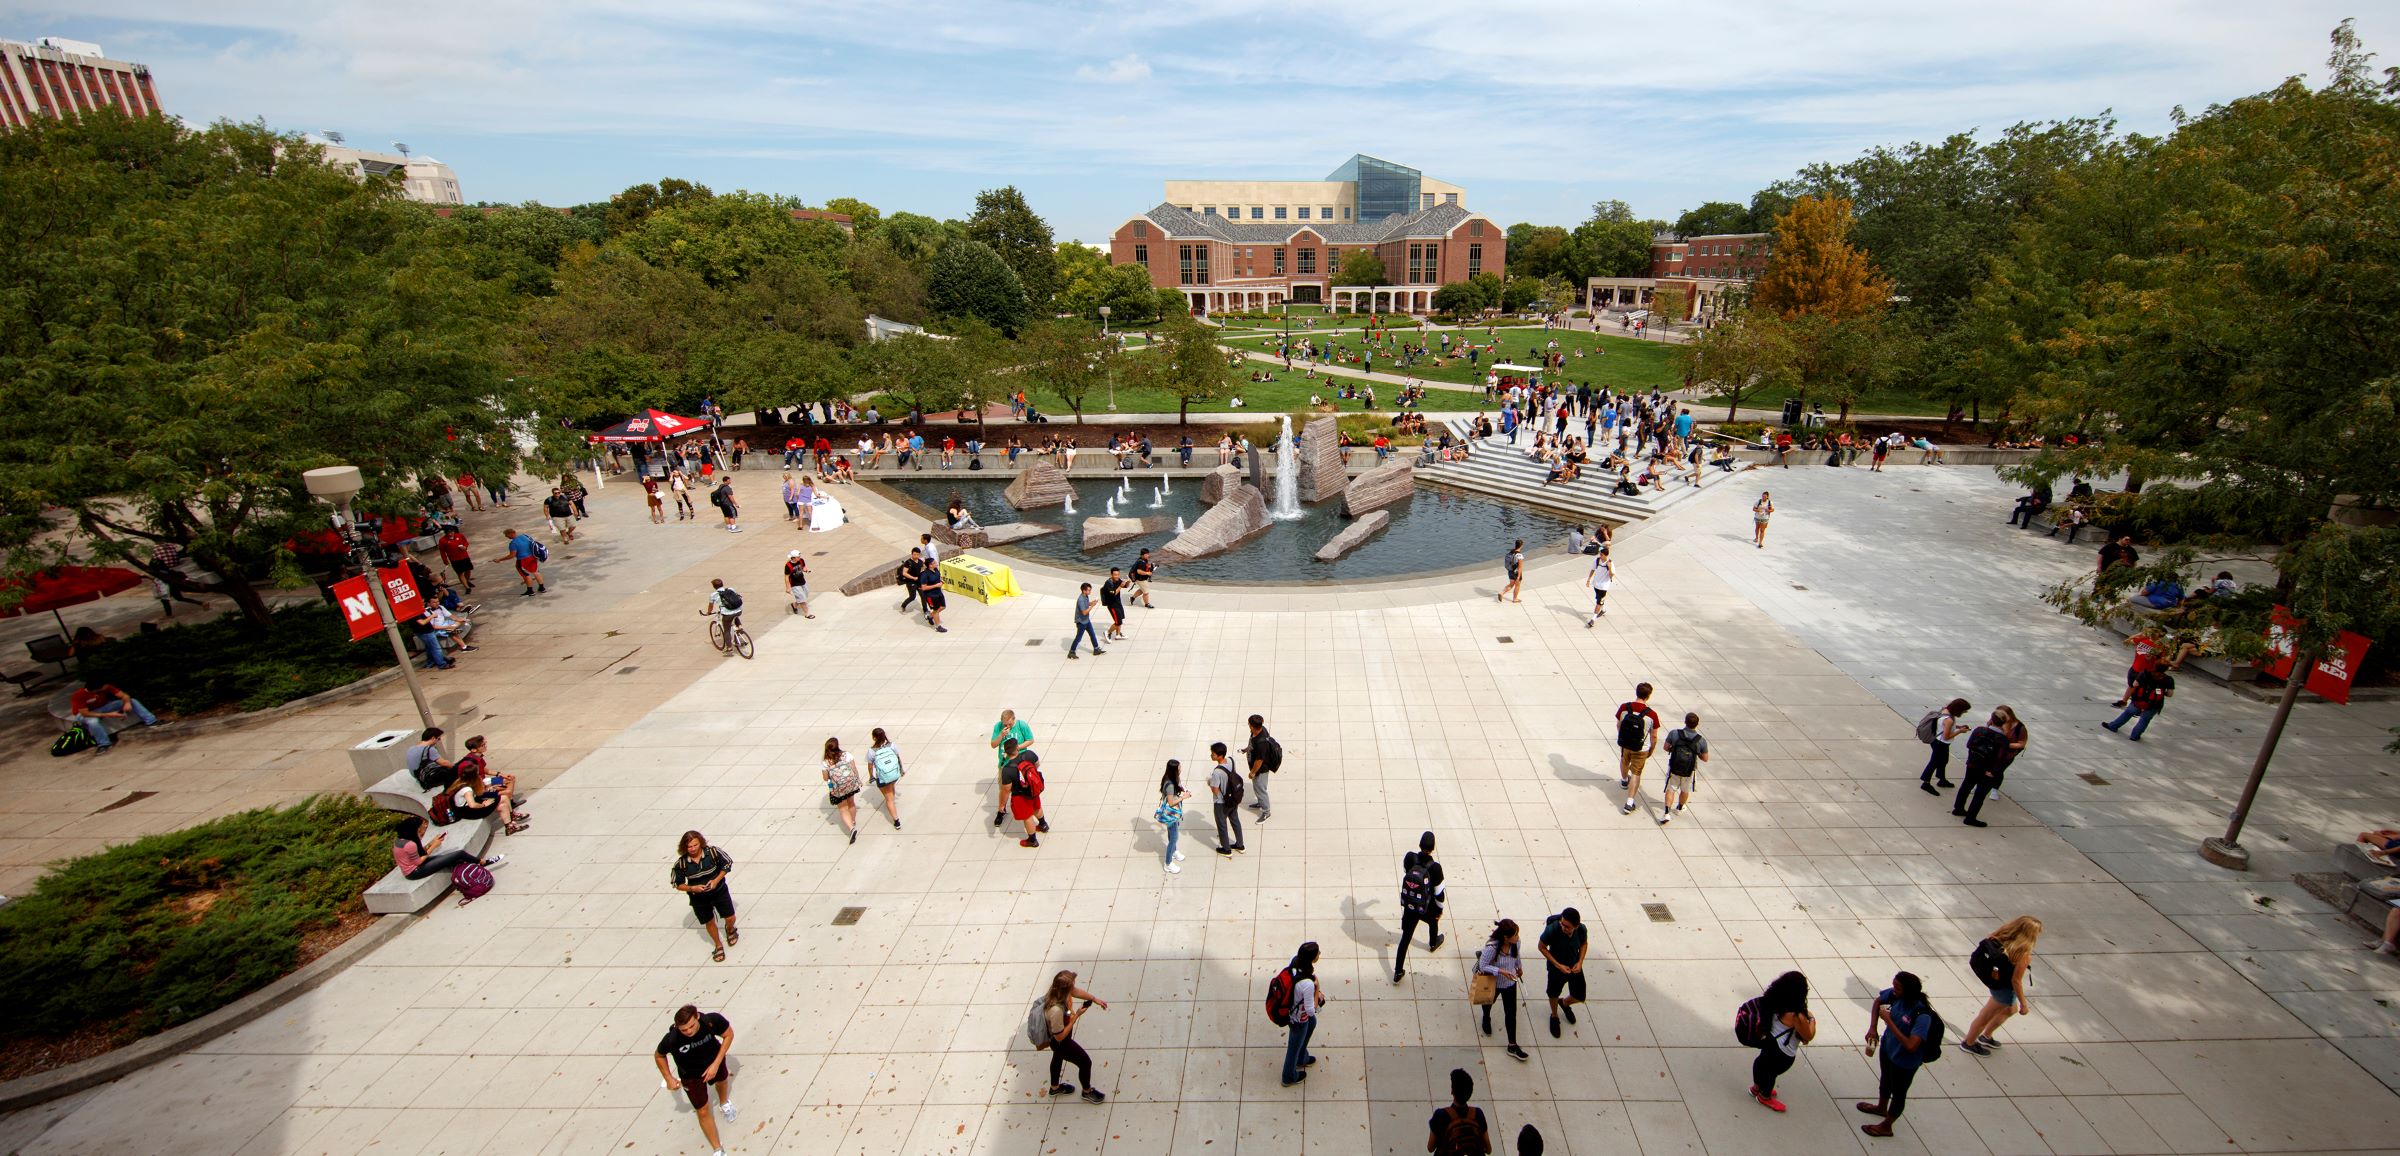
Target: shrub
171	927
303	650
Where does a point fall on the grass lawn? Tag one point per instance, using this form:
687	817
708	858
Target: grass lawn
1628	363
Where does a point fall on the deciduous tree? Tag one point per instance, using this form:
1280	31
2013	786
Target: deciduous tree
1003	221
967	279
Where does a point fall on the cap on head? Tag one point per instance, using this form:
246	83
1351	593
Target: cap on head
795	553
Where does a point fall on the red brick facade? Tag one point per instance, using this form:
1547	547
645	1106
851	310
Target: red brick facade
1270	263
1738	256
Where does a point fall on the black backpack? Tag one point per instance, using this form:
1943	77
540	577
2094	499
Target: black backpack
1991	964
1630	733
1270	755
1683	752
1929	1047
1233	787
729	599
1416	888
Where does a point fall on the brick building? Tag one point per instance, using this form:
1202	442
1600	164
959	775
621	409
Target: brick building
54	77
1220	264
1722	256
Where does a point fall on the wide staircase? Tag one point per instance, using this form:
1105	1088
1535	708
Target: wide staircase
1501	470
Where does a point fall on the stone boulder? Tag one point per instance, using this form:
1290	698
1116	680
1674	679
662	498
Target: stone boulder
1354	536
1219	483
1324	464
1041	484
1241	517
989	535
966	539
1102	533
1385	485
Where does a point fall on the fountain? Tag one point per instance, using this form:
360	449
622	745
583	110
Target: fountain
1125	483
1070	501
1158	497
1166	483
1287	476
1179	527
1112	506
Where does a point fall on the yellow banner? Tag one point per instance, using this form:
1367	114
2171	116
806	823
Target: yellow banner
978	579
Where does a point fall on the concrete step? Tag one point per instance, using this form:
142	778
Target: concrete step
1504	471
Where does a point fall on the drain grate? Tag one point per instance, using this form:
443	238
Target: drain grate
2093	779
1797	586
848	916
127	801
1658	913
1505	638
1033	642
627	669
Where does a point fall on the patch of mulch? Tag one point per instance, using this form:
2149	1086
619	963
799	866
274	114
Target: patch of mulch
32	1055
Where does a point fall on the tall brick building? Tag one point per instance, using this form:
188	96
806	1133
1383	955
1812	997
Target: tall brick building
1257	244
52	77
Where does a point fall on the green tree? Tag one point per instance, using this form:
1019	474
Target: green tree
1739	356
196	317
522	245
1186	363
1003	221
1713	217
729	237
1361	267
1457	299
1540	251
1171	303
914	236
1069	357
967	279
1670	303
1518	293
627	210
920	370
1612	243
771	369
863	216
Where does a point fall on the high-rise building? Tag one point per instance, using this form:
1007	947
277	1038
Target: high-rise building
421	178
54	77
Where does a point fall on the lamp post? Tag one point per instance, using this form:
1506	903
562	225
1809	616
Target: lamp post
337	485
1112	363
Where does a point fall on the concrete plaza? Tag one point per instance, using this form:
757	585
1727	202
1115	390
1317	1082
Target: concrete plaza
2180	1008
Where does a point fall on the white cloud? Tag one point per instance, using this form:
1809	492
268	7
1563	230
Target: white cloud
1123	70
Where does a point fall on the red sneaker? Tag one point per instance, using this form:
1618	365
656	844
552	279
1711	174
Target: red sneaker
1773	1104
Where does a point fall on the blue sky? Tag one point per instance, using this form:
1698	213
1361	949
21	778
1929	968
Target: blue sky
1539	108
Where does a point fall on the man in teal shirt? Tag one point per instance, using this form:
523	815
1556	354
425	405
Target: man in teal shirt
1009	727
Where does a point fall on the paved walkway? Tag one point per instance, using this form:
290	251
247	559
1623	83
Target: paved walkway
2176	1010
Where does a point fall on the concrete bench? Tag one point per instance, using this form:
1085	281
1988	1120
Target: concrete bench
400	792
397	894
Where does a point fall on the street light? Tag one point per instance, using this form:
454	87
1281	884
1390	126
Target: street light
1112	363
337	485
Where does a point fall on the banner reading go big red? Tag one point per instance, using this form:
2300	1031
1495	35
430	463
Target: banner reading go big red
2331	676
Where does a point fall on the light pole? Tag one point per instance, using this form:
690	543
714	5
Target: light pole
1112	362
337	485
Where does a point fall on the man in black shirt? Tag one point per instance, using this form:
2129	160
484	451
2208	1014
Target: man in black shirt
1112	596
1142	571
1420	902
911	572
1265	757
1563	943
700	1044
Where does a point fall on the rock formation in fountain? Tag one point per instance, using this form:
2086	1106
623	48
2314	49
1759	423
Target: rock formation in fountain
1039	485
1385	485
1354	536
1101	533
1215	486
1241	517
1324	465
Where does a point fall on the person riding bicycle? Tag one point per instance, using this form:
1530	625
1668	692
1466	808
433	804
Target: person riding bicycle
726	603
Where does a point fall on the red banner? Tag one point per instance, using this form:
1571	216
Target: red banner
2332	674
358	602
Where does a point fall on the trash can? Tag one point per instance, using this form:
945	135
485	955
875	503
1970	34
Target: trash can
1791	411
383	754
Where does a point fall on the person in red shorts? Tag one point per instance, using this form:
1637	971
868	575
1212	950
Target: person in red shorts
1021	790
528	556
700	1044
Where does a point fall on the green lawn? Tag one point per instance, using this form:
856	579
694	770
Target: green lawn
1627	363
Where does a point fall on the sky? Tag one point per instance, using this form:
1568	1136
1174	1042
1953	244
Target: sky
1538	108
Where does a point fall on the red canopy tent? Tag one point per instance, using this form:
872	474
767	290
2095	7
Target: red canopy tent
650	426
63	586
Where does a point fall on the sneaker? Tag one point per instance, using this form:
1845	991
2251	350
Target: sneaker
998	816
529	592
1096	650
1397	976
1029	841
1624	782
1768	1099
1094	1095
1437	942
729	1111
2108	726
1072	654
1555	1030
1225	852
1174	870
1518	1054
1179	856
1662	819
895	824
1929	789
1239	849
1290	1082
1041	825
1630	805
1973	1048
495	862
1988	1042
1975	823
1062	1089
1568	1010
941	630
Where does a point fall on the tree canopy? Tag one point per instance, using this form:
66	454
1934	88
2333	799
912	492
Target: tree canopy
1004	222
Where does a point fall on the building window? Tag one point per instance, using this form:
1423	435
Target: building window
1304	212
1308	259
1474	260
1141	255
1208	210
1428	201
1279	212
1475	227
1193	267
1141	228
1257	212
1449	198
1279	262
1345	212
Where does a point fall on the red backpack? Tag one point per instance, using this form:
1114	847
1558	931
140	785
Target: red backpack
1279	998
1029	773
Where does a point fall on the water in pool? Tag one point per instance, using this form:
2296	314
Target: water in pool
1435	530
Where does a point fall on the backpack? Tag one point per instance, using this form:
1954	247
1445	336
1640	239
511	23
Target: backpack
473	881
1029	774
1233	787
1991	964
975	463
1750	1023
1683	754
1272	755
1279	998
887	765
1416	888
1462	1133
1630	730
1985	746
72	741
1929	728
730	599
1929	1048
441	811
432	774
541	553
1037	1025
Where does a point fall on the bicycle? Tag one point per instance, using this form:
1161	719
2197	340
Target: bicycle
727	634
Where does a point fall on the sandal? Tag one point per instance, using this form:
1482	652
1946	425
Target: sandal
512	828
718	955
732	938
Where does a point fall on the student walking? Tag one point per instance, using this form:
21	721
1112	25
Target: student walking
841	785
1911	1035
1060	1020
1083	623
1760	511
1785	1023
528	555
700	1044
1170	812
1686	750
700	872
884	759
1987	765
1637	737
1459	1128
1563	944
1421	896
1021	790
1936	730
1112	596
1265	757
1500	960
1307	999
2144	699
1512	569
2001	962
930	596
722	497
795	583
1603	576
1225	793
1144	570
1009	727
